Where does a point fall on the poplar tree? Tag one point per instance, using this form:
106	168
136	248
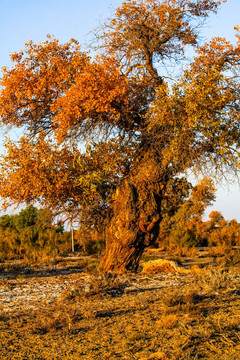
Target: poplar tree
142	128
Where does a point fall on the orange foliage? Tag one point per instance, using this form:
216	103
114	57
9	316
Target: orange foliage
93	100
39	171
146	32
39	76
57	90
140	130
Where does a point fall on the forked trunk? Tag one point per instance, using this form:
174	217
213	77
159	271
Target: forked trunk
133	227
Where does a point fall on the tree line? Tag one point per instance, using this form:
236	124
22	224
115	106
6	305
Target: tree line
33	235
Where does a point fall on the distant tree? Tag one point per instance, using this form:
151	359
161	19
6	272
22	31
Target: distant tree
5	221
222	232
27	217
59	227
185	227
31	233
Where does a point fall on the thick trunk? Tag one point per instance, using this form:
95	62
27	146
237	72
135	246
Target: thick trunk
134	225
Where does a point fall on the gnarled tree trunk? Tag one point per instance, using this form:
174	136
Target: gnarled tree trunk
135	221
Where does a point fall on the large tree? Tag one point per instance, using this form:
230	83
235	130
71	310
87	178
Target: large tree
140	128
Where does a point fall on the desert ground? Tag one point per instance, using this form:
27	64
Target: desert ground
185	308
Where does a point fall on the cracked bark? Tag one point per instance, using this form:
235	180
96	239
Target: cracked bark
135	221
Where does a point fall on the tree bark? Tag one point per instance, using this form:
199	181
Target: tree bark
134	224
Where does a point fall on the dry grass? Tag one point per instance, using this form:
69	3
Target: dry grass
196	317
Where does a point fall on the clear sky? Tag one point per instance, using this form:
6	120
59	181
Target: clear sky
23	20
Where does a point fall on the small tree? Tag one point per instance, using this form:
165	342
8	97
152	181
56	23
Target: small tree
27	217
222	233
184	227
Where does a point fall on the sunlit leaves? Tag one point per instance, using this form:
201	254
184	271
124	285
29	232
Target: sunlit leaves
197	119
147	34
135	124
93	101
39	76
182	224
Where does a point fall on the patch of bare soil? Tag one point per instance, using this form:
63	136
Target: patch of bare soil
31	292
24	287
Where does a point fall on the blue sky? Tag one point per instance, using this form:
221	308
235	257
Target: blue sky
23	20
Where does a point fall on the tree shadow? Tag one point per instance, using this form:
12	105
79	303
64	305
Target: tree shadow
28	272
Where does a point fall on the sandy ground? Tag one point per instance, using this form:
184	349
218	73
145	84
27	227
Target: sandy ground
29	292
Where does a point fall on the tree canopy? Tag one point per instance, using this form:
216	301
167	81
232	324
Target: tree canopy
106	135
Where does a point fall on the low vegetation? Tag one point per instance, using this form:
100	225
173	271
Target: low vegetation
191	315
32	235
